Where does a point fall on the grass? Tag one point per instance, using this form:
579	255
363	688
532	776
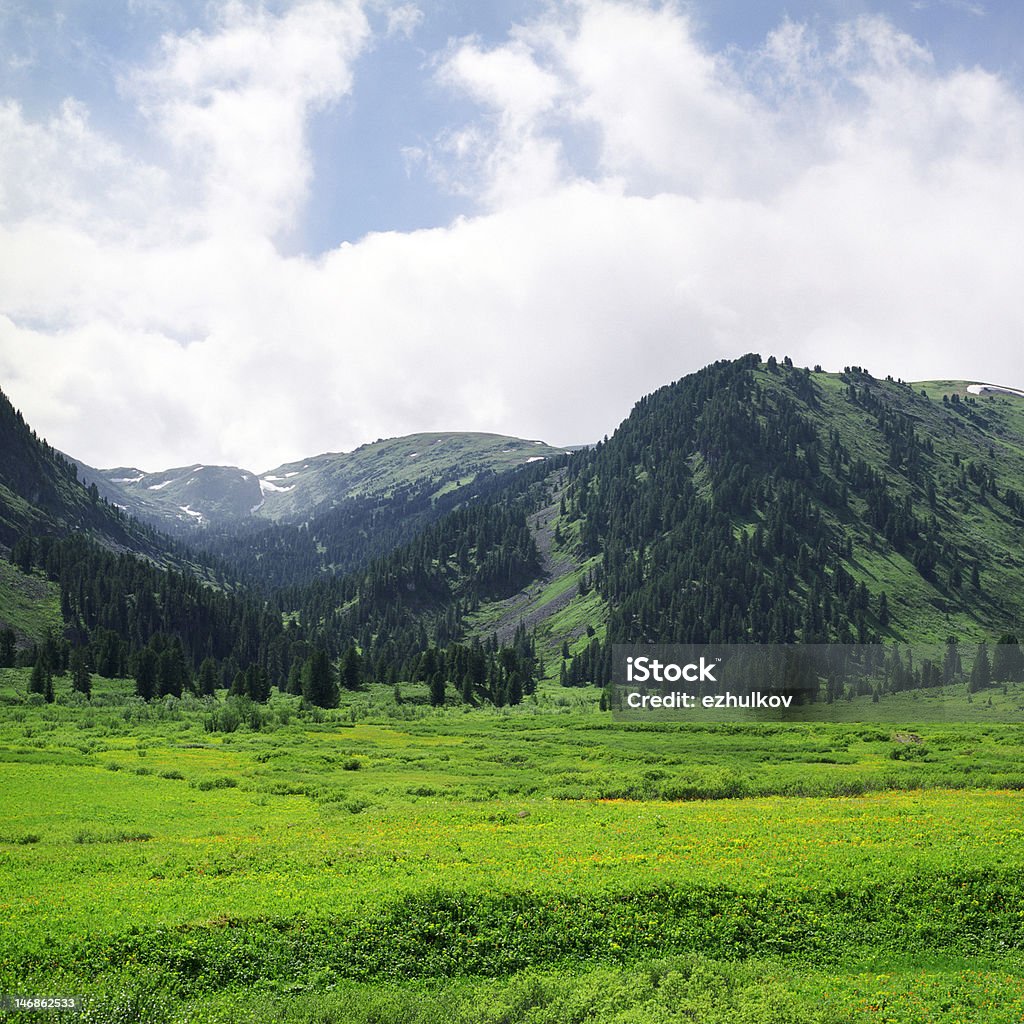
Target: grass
986	430
383	862
30	605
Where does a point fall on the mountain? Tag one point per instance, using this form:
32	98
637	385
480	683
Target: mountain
55	530
225	497
749	502
42	495
761	502
752	501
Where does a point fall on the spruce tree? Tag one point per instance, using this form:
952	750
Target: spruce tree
145	673
81	678
257	684
981	671
1008	660
8	649
295	678
170	670
40	677
350	668
318	685
951	666
208	677
437	688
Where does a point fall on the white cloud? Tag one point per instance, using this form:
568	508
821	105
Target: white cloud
403	20
643	206
233	105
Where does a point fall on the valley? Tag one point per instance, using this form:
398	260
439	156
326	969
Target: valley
338	746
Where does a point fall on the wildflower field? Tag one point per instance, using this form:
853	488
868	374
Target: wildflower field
217	861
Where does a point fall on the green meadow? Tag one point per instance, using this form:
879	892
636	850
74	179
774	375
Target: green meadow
211	860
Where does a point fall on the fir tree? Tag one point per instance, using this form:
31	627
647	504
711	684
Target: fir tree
1008	660
81	679
208	677
41	676
145	673
351	668
318	685
437	688
981	670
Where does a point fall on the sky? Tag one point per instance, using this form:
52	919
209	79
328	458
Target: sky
243	232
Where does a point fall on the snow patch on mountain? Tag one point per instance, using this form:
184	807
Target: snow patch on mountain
266	485
982	389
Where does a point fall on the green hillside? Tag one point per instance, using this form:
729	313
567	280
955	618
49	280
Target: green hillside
41	495
749	502
768	503
448	460
226	498
30	605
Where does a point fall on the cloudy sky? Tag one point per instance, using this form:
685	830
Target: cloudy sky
244	232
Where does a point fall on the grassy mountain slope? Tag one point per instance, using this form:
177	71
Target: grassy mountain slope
42	495
447	460
29	605
763	502
976	458
226	497
747	502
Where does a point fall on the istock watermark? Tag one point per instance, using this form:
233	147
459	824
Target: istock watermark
817	682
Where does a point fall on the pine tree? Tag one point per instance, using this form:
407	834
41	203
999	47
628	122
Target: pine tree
8	648
1008	660
40	677
981	671
257	684
318	686
81	679
170	670
351	669
951	666
145	673
295	677
883	609
208	677
437	688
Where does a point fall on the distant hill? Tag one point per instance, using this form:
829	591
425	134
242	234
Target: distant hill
226	497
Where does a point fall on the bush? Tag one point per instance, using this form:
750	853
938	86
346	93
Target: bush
221	782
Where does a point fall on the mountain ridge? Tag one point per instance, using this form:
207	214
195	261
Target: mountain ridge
747	502
200	495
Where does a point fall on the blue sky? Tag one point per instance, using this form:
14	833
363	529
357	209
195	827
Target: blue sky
248	232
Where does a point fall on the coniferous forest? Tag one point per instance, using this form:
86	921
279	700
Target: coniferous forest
750	502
